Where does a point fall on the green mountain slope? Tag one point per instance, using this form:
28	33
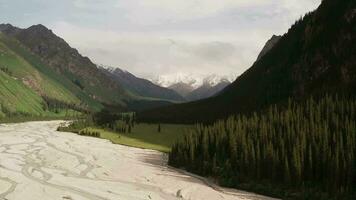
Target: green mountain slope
57	55
316	56
17	98
45	64
23	70
45	81
27	84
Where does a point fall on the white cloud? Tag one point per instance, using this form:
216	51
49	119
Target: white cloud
148	37
147	54
156	11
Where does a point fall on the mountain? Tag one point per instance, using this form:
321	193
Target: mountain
55	59
181	88
139	86
25	81
180	78
316	56
194	87
269	45
207	90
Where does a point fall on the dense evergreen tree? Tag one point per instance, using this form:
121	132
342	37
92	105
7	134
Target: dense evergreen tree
304	146
56	105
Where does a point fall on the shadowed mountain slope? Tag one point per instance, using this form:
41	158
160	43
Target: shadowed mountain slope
315	56
139	86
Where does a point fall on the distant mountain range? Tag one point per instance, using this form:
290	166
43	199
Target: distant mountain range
139	86
194	87
316	56
179	88
207	90
38	68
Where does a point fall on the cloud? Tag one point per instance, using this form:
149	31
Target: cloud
215	51
157	11
147	37
147	54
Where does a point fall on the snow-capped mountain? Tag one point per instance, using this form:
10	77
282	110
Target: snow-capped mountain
172	87
193	81
194	87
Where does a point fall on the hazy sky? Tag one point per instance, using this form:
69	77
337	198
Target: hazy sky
163	37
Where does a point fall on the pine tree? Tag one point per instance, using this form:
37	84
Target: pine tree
311	142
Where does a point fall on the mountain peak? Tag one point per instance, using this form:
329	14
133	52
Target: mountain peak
194	81
9	29
114	70
39	28
139	86
214	80
269	45
6	26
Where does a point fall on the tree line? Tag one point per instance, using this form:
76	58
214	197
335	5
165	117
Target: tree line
6	70
56	105
303	148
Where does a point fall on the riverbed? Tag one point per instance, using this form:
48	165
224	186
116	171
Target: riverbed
39	163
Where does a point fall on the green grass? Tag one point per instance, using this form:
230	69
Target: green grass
13	57
146	136
20	119
16	97
23	64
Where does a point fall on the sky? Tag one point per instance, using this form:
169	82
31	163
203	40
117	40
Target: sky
151	38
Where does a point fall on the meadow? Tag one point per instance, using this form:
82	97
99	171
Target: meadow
143	135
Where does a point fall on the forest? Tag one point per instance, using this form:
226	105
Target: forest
305	149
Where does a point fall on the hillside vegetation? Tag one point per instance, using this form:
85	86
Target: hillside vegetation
23	85
305	150
292	126
68	62
47	65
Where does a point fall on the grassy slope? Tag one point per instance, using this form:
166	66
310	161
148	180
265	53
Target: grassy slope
16	97
146	136
22	69
69	64
47	116
24	64
25	99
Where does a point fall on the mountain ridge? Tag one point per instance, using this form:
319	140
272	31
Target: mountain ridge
195	87
139	86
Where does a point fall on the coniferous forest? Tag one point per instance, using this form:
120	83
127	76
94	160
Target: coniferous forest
300	148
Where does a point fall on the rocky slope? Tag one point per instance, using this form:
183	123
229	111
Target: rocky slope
67	62
269	45
181	88
25	80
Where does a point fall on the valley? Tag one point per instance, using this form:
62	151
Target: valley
193	102
38	162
